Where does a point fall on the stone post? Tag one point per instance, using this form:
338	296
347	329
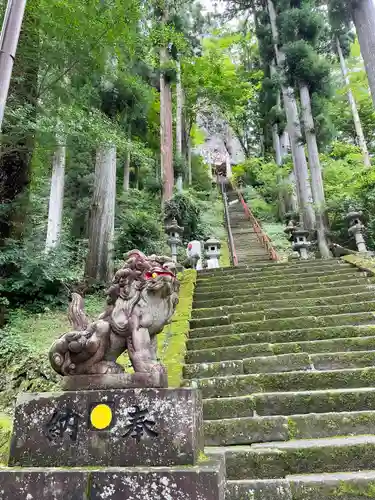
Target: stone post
174	232
212	252
300	243
356	229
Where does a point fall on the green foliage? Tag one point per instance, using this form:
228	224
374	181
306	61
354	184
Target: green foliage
201	180
304	65
261	209
139	224
185	209
300	24
215	80
260	174
33	279
348	185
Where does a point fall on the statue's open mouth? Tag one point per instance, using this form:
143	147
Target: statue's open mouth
155	273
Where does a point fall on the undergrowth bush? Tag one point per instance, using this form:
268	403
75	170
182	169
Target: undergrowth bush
139	224
33	279
261	209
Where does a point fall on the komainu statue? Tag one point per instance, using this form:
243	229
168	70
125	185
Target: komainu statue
141	301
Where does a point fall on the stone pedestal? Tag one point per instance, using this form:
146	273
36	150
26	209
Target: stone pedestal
140	443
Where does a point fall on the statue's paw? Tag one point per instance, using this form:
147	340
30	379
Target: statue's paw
78	345
107	368
157	368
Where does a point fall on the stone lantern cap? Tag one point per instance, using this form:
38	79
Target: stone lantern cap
290	227
173	227
212	242
351	216
300	232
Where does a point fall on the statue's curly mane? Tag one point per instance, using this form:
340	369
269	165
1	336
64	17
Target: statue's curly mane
135	274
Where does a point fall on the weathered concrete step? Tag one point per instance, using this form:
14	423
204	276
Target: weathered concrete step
271	266
278	271
284	313
291	339
282	363
274	298
245	257
286	304
263	291
283	324
242	385
281	459
241	352
258	282
290	403
239	431
358	485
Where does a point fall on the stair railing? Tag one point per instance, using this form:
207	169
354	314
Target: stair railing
261	235
232	249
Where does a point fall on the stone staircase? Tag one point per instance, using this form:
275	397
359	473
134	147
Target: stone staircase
284	355
248	247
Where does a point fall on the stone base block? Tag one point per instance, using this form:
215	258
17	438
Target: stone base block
50	484
201	482
114	381
114	428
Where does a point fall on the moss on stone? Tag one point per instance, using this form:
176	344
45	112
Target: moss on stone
225	260
172	340
5	434
363	263
241	385
216	409
292	429
347	489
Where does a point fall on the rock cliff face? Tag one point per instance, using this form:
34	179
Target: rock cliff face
220	143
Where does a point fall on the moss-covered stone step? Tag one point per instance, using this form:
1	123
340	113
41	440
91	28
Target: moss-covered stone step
282	363
334	299
254	350
295	336
288	312
267	266
242	385
280	324
358	485
258	270
267	282
280	459
264	291
290	403
271	273
273	297
239	431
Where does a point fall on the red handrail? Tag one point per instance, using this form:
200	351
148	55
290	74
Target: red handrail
261	235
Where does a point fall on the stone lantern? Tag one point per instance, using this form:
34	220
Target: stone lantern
300	243
356	228
212	252
290	229
174	232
